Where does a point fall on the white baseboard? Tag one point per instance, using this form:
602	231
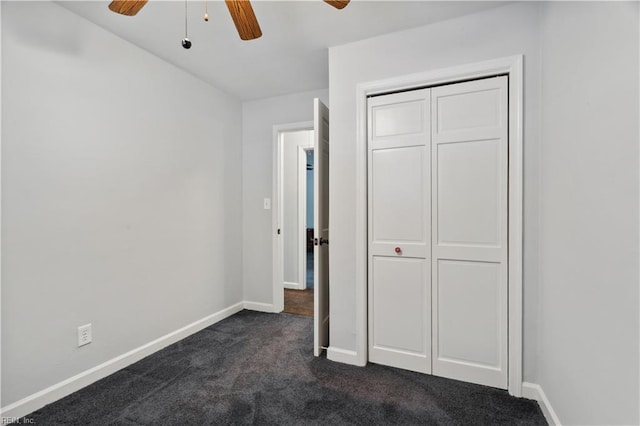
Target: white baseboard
46	396
534	391
294	286
343	355
257	306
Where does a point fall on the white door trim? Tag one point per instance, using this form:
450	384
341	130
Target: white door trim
0	189
513	66
276	210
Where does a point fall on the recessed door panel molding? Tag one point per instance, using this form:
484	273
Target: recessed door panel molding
398	119
475	108
473	111
402	303
469	222
389	203
469	311
469	179
399	188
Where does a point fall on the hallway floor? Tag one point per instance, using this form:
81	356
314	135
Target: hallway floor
299	302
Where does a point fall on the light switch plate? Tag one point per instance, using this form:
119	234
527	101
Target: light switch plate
267	203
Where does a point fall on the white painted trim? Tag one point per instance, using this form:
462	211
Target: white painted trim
516	217
0	193
260	307
513	67
293	286
276	212
276	220
46	396
535	392
343	355
362	246
638	20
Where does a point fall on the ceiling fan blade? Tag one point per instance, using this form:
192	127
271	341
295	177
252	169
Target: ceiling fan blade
127	7
244	19
338	4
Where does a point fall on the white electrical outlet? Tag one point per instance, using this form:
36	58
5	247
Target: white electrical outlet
84	335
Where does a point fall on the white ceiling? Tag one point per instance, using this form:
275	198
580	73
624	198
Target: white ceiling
292	54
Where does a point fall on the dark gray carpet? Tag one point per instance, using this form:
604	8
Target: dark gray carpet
256	368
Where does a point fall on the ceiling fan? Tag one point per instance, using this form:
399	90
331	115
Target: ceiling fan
241	12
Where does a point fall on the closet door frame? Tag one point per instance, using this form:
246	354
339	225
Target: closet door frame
513	67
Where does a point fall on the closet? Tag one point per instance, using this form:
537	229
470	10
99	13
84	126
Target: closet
437	230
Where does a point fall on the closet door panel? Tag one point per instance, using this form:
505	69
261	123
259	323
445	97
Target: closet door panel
469	111
391	203
468	195
399	230
401	302
469	314
402	117
469	222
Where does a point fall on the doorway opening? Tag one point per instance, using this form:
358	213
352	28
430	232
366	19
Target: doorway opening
291	268
298	234
293	260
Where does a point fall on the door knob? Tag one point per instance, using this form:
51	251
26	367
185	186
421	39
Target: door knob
398	250
320	242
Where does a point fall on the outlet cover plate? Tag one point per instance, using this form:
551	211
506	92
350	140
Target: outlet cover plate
84	335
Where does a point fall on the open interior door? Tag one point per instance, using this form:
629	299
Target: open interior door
321	227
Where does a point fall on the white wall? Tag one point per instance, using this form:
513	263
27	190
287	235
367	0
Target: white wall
121	182
500	32
580	184
291	226
588	359
258	119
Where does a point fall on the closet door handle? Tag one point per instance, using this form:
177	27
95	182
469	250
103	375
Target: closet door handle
398	250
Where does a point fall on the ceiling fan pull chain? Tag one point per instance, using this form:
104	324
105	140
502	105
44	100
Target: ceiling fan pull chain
186	43
206	12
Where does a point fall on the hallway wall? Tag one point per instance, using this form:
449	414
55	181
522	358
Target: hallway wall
258	119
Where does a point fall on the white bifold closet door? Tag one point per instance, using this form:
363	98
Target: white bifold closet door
469	223
447	301
399	230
